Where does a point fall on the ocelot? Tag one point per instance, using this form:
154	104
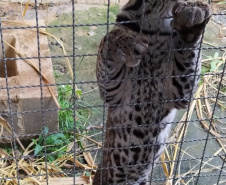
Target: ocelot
147	68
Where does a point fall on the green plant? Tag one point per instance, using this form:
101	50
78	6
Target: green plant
56	144
223	89
212	64
214	61
67	116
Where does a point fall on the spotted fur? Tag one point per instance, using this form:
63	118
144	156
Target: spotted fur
145	74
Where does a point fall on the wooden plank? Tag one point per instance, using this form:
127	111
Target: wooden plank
64	181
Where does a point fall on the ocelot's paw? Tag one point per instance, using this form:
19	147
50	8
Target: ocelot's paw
127	47
190	17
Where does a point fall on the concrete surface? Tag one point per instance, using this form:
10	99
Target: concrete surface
22	74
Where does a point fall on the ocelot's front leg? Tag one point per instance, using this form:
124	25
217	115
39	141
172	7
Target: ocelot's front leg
189	21
119	50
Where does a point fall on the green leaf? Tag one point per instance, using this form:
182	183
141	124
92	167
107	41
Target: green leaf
205	70
223	89
38	149
79	91
55	139
46	130
88	174
213	65
34	141
216	55
51	158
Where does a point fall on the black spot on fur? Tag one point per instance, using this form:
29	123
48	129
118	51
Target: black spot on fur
178	86
146	141
128	130
147	12
119	145
180	52
120	175
120	169
130	116
187	64
138	120
117	159
137	108
183	79
110	181
138	133
163	52
192	55
179	65
123	159
191	71
143	183
119	135
164	33
126	151
121	180
111	171
157	147
155	133
124	133
187	86
136	149
135	157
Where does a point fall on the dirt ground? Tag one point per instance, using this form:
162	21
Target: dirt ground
50	11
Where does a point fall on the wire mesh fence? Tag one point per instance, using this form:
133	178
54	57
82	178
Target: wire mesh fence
53	121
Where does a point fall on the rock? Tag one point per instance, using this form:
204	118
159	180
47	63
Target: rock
78	47
91	33
93	27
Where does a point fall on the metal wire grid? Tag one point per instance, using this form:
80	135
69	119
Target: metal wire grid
219	176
